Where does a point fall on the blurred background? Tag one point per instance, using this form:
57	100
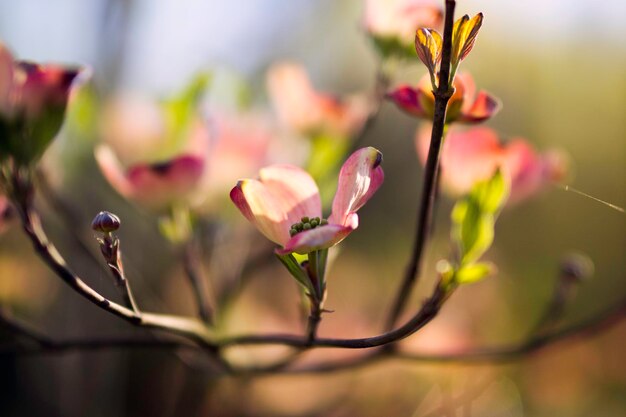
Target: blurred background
560	69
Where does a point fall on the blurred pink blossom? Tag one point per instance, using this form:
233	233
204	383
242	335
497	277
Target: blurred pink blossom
400	19
241	143
33	99
474	154
308	112
285	195
144	160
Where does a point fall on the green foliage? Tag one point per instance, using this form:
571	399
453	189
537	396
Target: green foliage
180	112
473	223
392	47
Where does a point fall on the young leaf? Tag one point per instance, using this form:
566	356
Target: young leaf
473	273
296	271
473	218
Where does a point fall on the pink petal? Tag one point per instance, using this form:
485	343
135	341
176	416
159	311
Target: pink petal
293	96
134	126
303	109
411	100
163	183
467	156
319	238
282	196
260	207
484	107
112	170
464	82
360	176
295	190
525	169
400	18
43	86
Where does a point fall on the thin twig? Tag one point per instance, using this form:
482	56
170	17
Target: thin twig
429	310
424	215
193	270
122	283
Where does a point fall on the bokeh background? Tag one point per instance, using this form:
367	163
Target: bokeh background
559	66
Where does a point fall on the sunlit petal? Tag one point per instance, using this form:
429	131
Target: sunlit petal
360	176
484	107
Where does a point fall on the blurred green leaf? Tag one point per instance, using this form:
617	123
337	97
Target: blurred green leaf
492	194
393	47
472	273
180	112
473	217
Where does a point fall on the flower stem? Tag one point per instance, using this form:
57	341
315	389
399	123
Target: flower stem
193	270
425	212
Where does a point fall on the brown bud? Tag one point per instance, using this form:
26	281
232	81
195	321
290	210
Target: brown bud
105	222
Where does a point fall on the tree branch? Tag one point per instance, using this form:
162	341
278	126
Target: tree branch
429	192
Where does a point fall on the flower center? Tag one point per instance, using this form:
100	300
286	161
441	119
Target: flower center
306	223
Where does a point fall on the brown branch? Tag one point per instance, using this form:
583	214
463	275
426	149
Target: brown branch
429	310
429	192
187	327
588	327
193	271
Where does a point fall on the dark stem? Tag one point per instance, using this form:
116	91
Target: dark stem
121	282
193	270
428	311
189	328
429	191
315	317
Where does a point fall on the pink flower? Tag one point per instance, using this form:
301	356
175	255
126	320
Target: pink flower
306	111
241	144
474	154
146	159
33	99
285	196
397	20
465	106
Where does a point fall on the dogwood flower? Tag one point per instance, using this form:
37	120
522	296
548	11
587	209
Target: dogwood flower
147	159
285	205
473	155
465	105
33	99
308	112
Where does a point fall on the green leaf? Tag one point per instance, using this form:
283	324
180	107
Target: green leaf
296	271
473	217
472	273
491	195
180	113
